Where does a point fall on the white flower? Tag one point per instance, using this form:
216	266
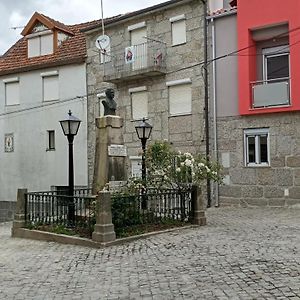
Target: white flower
201	165
178	170
193	174
188	162
182	164
207	168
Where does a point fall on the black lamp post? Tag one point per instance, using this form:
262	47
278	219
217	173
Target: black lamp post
70	128
143	130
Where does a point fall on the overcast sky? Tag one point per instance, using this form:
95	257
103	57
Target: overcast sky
15	13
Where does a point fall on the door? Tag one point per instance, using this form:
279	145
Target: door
139	43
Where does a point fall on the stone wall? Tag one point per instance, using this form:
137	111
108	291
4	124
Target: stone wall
7	209
182	61
275	185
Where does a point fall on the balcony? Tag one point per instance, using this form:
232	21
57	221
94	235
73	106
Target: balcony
269	93
136	62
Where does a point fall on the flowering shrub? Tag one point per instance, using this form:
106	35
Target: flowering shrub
167	167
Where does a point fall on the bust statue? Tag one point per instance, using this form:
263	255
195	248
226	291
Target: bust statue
109	103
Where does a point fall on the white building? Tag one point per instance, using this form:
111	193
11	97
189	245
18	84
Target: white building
42	76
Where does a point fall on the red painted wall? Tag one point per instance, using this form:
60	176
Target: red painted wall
253	14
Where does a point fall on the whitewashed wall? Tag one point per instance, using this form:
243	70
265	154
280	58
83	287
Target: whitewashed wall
30	165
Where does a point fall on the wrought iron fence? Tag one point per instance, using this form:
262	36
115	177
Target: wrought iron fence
52	208
153	207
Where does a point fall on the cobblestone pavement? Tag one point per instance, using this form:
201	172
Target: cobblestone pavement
240	254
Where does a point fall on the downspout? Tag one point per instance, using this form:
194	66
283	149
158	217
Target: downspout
214	95
208	187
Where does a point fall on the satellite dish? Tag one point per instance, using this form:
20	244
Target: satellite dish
102	42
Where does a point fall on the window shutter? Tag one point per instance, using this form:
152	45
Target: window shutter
178	32
139	104
46	44
180	99
50	88
33	47
12	93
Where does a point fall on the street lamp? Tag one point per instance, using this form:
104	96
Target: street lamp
143	130
70	127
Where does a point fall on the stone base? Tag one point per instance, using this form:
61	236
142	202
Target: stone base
199	218
7	209
104	233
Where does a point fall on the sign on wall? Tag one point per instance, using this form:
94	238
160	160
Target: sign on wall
9	142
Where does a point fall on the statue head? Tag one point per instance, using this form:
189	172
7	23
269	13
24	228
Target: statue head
110	93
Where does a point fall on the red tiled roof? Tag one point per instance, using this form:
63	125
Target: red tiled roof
222	11
70	51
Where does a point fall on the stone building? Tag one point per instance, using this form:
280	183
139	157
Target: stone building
153	62
255	96
42	76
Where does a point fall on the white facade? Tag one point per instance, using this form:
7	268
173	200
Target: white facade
25	158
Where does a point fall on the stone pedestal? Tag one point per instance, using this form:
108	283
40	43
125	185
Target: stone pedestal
19	218
104	229
197	206
109	166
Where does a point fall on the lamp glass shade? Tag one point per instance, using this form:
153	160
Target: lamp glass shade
70	125
143	130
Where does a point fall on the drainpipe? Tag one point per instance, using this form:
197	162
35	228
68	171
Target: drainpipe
208	188
214	95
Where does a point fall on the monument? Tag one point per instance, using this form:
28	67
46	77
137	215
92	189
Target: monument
110	153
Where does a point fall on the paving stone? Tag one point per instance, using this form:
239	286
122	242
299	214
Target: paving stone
241	254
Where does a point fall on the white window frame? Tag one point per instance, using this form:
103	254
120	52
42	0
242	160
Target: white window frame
180	82
133	91
256	133
175	21
14	80
137	159
275	52
39	36
46	75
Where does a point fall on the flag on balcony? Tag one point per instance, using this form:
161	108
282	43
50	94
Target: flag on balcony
129	55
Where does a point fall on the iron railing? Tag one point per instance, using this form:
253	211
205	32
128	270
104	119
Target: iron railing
153	207
52	207
149	55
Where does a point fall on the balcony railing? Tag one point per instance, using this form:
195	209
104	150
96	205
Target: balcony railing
138	61
267	93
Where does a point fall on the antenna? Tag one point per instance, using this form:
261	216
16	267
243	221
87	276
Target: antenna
102	17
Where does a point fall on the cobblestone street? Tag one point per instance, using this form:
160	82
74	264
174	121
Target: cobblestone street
240	254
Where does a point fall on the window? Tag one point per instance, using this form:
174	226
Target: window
180	97
105	54
12	91
139	103
276	63
50	86
40	45
136	166
178	30
256	143
51	140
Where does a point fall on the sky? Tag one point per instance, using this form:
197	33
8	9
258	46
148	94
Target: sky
16	13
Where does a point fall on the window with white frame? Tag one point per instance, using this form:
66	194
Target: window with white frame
12	91
139	102
105	55
256	147
180	97
50	86
40	44
276	64
136	166
178	30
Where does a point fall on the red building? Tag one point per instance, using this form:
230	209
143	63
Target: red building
255	101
